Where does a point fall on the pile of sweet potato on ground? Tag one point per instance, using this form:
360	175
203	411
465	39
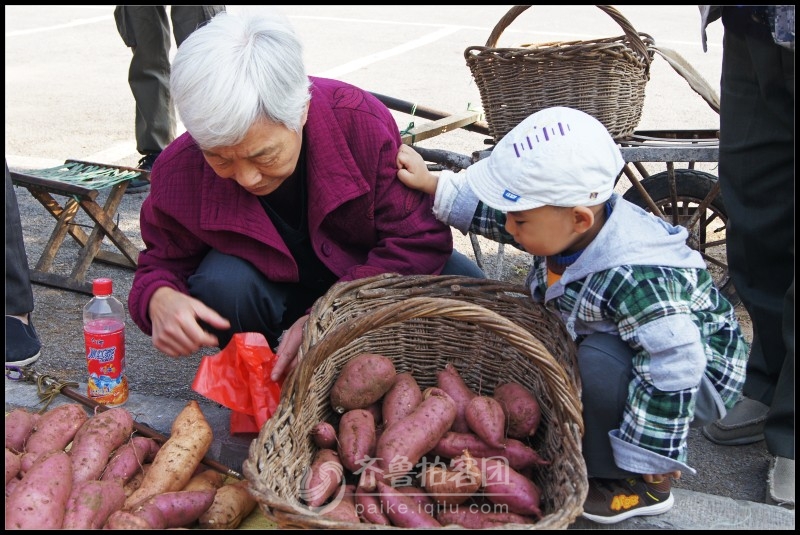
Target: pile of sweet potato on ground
68	470
406	457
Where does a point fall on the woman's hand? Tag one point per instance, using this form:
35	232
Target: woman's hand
287	349
413	171
658	478
176	330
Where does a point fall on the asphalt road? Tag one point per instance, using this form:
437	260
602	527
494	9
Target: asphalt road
67	97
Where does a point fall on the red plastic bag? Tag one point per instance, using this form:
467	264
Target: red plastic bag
238	378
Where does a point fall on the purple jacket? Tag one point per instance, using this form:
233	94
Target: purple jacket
362	220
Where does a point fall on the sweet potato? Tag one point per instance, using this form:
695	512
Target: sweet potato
171	509
96	440
19	426
476	518
503	485
324	476
232	504
521	408
377	413
136	481
323	435
344	509
128	459
11	484
356	439
39	500
125	520
453	486
516	453
420	497
485	418
403	443
449	380
176	461
207	479
403	510
53	431
362	381
12	465
402	398
91	503
369	508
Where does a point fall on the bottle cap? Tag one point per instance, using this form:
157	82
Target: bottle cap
102	286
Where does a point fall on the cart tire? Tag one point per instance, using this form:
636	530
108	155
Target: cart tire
707	235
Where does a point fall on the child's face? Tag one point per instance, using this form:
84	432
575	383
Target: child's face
547	230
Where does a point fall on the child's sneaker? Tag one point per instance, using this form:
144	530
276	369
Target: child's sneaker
612	500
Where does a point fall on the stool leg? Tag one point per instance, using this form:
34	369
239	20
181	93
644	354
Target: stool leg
104	226
64	219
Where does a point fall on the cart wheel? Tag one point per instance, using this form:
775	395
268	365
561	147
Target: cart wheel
706	232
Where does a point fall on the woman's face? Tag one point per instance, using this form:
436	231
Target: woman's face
266	157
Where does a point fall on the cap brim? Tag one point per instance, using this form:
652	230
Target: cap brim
488	188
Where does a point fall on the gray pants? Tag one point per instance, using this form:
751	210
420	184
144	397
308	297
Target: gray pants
605	364
145	29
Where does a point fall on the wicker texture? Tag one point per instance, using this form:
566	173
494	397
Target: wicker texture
422	323
605	78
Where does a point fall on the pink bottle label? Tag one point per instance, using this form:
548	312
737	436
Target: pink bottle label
105	358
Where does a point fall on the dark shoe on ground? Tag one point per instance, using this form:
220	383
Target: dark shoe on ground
613	500
780	482
141	185
744	424
22	343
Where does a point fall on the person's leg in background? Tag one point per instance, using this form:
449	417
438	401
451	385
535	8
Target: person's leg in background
145	29
22	342
186	19
757	178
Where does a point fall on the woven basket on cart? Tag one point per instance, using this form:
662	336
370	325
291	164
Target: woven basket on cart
489	330
605	78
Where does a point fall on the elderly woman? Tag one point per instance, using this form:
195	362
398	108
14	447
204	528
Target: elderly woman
282	185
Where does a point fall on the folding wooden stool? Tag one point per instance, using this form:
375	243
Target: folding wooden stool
81	183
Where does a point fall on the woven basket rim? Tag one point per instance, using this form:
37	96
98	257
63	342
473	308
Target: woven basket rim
265	452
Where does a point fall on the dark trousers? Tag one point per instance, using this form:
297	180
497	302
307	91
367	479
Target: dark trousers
241	293
756	171
145	29
19	294
605	363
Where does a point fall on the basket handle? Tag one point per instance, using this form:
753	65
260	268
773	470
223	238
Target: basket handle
560	386
633	36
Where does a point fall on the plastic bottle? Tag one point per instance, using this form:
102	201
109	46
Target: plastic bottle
104	335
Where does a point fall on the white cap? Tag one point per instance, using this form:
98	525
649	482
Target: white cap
557	157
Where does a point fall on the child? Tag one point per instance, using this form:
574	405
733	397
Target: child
659	348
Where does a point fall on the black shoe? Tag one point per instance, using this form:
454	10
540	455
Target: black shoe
22	343
612	500
141	185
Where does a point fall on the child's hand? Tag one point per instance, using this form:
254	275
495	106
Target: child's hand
658	478
413	171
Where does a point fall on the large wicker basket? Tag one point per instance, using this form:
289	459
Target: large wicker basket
605	78
490	330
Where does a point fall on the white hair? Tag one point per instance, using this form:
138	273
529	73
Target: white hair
235	71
